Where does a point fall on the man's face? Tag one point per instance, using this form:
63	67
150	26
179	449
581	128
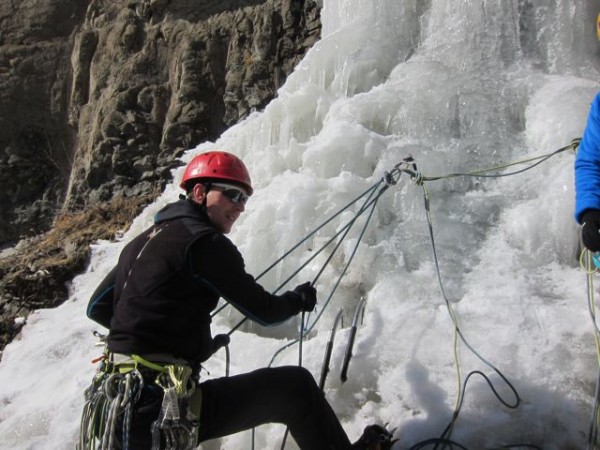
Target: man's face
221	210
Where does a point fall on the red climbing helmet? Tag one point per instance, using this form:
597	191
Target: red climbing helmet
217	165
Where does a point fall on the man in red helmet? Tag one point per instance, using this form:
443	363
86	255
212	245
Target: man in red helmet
167	282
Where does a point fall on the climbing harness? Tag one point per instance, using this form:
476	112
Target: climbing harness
117	387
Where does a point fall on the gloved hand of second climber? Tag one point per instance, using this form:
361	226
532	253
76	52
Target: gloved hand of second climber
590	230
308	296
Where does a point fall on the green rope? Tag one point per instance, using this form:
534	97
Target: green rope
483	173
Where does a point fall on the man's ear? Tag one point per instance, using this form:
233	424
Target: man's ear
198	192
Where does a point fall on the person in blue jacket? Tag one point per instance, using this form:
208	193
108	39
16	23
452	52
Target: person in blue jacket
587	180
157	304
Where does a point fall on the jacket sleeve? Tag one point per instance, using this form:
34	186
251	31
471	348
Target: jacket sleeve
216	262
587	164
100	306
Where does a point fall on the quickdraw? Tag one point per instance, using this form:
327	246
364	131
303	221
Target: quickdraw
179	420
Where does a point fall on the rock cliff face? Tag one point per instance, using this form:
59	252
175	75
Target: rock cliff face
98	98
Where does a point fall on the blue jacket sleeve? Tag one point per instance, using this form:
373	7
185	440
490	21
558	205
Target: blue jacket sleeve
587	164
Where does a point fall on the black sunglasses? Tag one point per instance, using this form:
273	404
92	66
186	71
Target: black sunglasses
234	194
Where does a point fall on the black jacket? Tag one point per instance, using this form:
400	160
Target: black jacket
169	279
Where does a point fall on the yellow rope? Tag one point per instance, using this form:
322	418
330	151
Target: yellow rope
409	167
454	319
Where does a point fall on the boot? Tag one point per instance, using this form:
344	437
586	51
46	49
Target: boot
374	437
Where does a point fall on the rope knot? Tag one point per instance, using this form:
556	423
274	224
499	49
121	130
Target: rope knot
418	178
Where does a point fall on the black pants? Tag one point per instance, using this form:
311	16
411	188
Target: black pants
286	395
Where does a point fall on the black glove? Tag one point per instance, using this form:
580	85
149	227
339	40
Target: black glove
590	230
220	341
374	436
308	296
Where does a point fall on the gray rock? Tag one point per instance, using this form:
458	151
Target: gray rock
99	98
95	95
